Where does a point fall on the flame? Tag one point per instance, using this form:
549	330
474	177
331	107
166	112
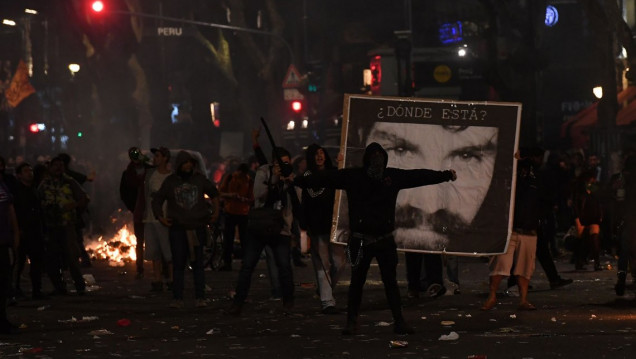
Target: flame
117	250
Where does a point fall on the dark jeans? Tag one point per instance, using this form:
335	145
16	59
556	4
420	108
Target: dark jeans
138	228
627	255
280	246
5	278
231	222
79	230
386	255
31	246
182	254
63	248
544	238
413	270
420	277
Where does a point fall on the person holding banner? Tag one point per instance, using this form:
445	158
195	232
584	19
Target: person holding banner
523	242
372	191
438	218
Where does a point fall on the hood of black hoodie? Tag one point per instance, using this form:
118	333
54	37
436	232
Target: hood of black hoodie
372	148
183	157
311	157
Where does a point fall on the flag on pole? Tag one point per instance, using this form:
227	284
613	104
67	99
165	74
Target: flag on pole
19	88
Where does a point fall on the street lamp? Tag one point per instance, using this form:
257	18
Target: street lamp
598	92
8	22
73	68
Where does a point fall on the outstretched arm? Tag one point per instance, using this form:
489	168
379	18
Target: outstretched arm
336	179
423	177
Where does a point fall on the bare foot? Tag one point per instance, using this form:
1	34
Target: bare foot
490	303
526	306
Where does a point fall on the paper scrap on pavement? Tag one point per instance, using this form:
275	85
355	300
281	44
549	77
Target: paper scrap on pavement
450	336
100	332
382	324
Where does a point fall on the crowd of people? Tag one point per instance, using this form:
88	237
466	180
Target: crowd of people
264	206
44	205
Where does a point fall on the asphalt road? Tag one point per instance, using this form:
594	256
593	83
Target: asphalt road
120	318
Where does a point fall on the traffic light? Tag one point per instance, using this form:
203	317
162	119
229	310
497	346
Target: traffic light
36	127
97	6
297	106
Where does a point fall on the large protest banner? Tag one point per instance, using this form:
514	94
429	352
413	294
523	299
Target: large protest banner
471	216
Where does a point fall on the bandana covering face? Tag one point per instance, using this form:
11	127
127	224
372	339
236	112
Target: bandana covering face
376	166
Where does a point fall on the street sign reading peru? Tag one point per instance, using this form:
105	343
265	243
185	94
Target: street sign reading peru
292	78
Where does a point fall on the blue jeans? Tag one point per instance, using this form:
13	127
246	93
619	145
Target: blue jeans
181	255
280	246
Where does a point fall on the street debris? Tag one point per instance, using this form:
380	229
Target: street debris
450	336
100	332
398	344
75	320
34	350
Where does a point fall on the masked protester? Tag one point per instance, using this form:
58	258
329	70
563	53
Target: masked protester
372	192
187	215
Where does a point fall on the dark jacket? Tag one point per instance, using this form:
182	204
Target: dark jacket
28	209
187	206
528	203
317	203
372	202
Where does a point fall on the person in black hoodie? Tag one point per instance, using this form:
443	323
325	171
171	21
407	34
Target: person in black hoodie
372	191
317	209
188	213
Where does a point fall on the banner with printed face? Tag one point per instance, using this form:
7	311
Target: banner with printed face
470	216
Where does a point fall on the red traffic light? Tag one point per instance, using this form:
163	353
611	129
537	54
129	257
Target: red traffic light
296	106
36	127
97	6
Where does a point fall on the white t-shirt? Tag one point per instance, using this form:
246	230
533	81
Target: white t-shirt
154	183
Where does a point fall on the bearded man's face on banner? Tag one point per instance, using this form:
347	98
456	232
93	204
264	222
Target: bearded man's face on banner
428	217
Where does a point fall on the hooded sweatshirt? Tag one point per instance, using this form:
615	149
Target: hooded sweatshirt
184	193
372	191
317	203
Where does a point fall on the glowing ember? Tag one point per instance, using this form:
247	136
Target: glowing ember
117	250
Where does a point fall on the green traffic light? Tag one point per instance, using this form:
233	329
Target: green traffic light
80	134
312	88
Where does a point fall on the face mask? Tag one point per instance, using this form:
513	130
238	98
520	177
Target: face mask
183	174
376	167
